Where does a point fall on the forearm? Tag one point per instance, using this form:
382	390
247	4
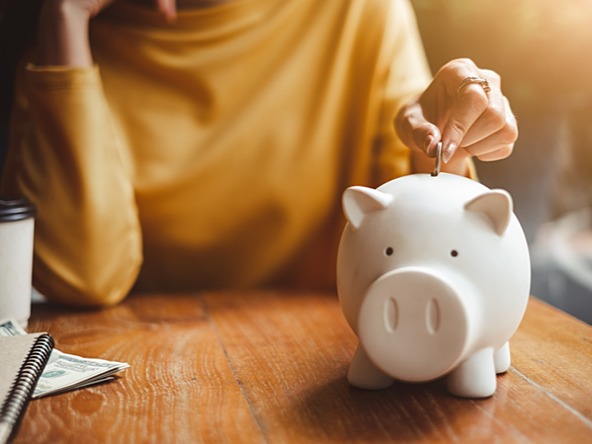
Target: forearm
63	35
67	158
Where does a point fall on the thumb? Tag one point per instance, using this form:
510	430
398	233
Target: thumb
416	131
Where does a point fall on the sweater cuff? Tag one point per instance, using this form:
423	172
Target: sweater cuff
62	77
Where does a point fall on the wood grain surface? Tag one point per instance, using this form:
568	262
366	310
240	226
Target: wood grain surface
270	367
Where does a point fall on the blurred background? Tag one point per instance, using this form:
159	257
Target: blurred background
543	51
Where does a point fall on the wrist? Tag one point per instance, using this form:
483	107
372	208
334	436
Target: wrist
63	35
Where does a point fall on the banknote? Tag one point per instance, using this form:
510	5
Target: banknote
66	372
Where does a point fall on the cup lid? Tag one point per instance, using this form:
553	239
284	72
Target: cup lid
15	208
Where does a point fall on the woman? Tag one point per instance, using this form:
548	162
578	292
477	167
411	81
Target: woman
174	145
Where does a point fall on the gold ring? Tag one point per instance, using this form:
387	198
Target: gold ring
470	80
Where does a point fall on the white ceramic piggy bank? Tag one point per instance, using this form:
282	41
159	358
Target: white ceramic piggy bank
433	275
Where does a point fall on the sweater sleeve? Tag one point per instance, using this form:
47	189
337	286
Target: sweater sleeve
67	158
407	74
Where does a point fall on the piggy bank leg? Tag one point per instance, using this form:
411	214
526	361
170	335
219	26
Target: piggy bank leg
475	377
501	358
364	374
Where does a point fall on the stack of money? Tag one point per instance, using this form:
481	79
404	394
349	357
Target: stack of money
66	372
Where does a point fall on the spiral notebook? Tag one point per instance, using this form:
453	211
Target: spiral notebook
22	360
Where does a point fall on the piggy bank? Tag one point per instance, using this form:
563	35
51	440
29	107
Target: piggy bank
433	276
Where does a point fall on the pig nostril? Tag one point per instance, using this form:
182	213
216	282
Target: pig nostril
391	314
432	316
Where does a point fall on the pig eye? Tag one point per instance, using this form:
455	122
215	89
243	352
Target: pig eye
453	253
388	251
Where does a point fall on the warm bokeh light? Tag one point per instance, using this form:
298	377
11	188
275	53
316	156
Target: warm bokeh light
542	48
543	51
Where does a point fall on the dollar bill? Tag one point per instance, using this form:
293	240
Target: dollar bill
66	372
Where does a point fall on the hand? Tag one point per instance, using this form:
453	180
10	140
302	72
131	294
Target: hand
91	8
63	29
468	121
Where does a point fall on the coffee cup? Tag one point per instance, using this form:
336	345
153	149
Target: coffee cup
17	220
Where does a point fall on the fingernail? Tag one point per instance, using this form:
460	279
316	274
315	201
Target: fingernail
429	146
169	11
172	16
448	152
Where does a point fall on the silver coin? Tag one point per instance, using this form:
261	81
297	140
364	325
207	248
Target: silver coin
438	159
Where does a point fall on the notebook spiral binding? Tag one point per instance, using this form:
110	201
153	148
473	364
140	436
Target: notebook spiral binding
22	387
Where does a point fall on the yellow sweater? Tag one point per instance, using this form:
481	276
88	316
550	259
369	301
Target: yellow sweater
211	152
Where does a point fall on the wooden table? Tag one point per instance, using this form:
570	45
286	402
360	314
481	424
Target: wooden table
270	367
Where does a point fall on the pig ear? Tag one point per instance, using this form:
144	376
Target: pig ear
358	202
496	205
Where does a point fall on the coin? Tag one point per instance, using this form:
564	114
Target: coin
438	159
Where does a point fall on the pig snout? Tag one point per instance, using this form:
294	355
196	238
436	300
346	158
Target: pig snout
414	324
